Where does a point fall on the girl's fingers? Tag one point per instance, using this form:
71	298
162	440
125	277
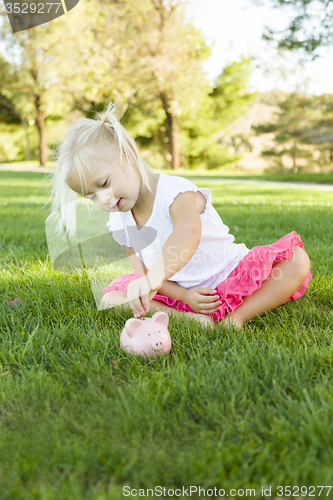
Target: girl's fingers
145	303
208	294
201	311
206	290
212	298
136	307
210	307
140	308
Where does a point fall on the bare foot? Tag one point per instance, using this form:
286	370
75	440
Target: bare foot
230	320
205	320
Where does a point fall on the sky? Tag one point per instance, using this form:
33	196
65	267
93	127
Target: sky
236	27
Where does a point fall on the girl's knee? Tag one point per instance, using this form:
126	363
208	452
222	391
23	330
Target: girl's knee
114	293
301	261
113	298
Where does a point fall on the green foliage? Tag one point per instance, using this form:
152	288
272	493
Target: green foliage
295	129
8	77
310	26
320	131
132	53
232	91
225	103
144	120
198	144
11	143
199	123
13	140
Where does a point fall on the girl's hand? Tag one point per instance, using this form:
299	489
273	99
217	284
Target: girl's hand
202	303
139	293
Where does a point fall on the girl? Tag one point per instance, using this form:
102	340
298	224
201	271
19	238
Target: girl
184	259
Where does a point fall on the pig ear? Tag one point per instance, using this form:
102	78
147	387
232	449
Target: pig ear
161	317
131	325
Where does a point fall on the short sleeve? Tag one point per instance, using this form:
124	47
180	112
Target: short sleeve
119	233
172	191
208	195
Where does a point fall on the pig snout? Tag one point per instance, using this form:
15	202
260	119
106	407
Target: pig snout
157	345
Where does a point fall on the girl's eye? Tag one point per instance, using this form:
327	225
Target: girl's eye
105	183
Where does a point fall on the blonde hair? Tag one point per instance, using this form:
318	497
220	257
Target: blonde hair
82	143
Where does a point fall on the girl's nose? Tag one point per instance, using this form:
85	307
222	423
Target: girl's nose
104	198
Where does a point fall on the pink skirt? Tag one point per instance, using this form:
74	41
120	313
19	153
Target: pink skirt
245	279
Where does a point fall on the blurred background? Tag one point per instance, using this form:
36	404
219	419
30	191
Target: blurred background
200	84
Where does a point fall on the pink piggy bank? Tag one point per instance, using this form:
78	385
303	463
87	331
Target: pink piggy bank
147	336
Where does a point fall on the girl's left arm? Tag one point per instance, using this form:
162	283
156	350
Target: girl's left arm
182	243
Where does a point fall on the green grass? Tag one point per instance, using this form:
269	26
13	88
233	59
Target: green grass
31	163
80	419
228	173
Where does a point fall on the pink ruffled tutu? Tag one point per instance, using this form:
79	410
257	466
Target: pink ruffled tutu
245	279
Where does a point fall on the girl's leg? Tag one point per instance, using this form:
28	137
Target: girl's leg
285	278
112	299
203	318
117	297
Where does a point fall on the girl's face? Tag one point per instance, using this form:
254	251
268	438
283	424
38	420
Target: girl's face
109	188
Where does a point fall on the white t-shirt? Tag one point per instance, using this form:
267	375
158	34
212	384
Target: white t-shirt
217	254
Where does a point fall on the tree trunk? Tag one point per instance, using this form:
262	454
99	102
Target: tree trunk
173	132
27	146
40	122
295	167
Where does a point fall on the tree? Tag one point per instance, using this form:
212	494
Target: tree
8	112
159	57
232	91
40	83
320	132
126	51
12	109
290	130
172	53
200	125
310	28
144	56
206	132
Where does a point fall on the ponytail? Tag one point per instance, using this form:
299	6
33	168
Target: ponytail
81	144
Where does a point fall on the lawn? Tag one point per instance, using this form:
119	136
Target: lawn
80	419
229	173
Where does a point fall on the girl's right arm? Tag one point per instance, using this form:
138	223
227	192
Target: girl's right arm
170	289
137	264
201	300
